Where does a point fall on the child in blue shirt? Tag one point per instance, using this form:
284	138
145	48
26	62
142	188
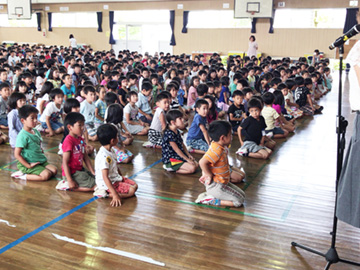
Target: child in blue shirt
198	140
145	112
87	108
68	88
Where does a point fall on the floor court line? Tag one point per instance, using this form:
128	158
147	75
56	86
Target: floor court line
52	222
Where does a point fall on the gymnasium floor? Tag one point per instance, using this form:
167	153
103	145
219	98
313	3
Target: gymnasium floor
289	198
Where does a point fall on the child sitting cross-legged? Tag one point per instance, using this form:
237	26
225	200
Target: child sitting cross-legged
131	121
32	162
216	172
75	176
175	156
88	108
253	129
109	180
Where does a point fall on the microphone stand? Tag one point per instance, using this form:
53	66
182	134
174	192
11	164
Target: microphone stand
331	255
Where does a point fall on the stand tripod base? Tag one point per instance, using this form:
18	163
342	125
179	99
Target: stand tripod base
331	256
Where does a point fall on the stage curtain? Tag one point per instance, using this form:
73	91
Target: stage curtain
172	25
350	19
99	21
253	25
111	23
185	21
38	17
49	20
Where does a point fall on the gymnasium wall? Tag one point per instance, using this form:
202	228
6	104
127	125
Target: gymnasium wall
289	42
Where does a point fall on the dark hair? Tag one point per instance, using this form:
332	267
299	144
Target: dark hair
41	72
290	83
202	89
254	103
71	103
237	93
113	85
299	80
268	98
106	133
281	86
71	36
130	94
14	97
247	90
72	118
307	81
193	79
89	88
114	114
252	36
212	110
55	92
110	98
161	96
146	86
278	98
26	110
46	88
274	81
172	115
224	80
4	85
243	82
200	102
219	128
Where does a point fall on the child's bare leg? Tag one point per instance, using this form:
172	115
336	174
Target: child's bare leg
270	143
128	141
59	130
93	138
280	136
52	169
83	189
197	151
143	132
4	127
130	194
261	154
237	175
289	127
44	176
186	168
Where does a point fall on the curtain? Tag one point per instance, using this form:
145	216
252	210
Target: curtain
38	16
253	25
111	23
185	21
350	19
271	29
172	25
99	20
49	20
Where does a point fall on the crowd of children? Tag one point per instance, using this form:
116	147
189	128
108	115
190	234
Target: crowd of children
95	96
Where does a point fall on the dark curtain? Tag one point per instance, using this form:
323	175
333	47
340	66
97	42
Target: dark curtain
111	23
350	19
38	16
49	20
271	29
172	25
185	21
99	20
253	25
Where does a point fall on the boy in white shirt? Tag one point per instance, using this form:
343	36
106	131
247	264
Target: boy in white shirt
108	176
145	112
50	118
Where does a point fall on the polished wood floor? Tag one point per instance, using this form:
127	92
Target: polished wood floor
289	198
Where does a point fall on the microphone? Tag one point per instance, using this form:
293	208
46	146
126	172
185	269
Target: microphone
341	40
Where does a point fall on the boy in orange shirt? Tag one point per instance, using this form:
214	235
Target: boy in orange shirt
216	170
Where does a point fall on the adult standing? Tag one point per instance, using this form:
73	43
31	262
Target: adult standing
73	42
348	204
253	46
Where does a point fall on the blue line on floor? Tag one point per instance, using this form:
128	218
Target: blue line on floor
52	222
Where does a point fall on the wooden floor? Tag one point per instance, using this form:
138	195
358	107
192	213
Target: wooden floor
289	198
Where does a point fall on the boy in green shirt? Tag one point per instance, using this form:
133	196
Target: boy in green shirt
32	162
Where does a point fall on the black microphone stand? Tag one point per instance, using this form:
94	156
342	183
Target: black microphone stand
331	255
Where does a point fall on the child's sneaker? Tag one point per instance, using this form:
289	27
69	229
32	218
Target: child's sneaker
17	174
62	185
242	152
100	193
167	169
60	152
148	145
203	198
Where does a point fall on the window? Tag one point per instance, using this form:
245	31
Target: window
5	22
310	18
216	19
75	19
141	16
